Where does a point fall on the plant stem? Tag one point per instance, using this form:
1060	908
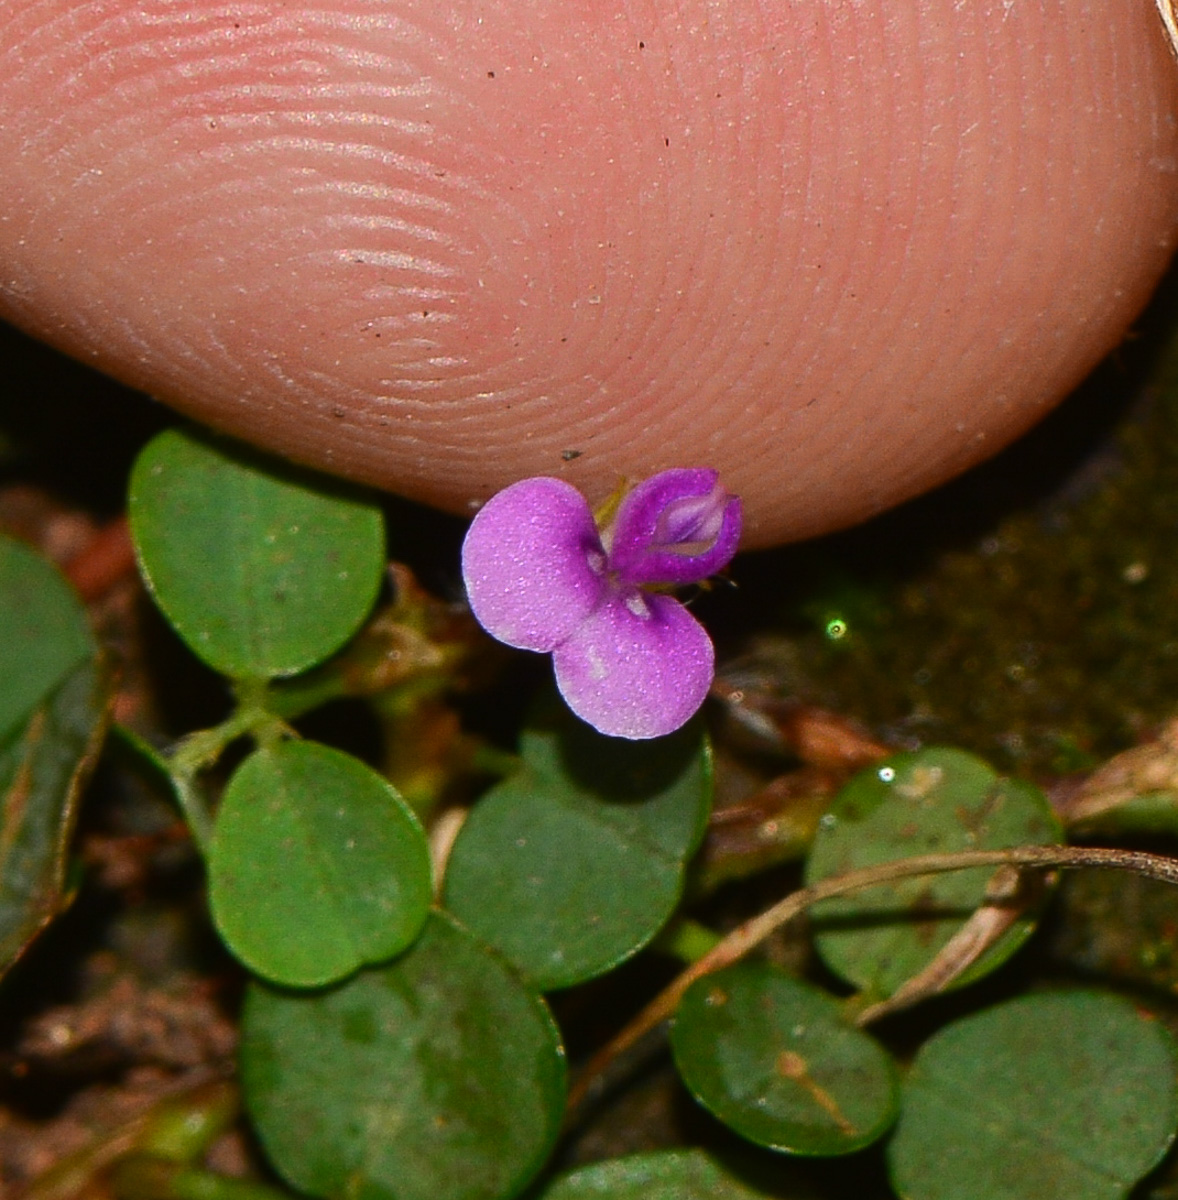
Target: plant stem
293	698
145	1178
204	1185
201	750
198	751
749	935
195	810
161	768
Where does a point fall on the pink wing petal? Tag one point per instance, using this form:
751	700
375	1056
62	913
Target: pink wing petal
532	563
638	667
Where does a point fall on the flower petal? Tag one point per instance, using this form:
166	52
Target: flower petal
638	667
533	563
677	527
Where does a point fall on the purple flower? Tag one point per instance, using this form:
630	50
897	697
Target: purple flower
631	661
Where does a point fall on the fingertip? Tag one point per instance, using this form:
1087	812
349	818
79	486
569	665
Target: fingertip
838	255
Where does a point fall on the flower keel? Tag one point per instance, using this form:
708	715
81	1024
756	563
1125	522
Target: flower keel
677	527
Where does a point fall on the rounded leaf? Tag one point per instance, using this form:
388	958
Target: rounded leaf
440	1077
662	1175
316	867
43	630
1064	1096
933	801
669	781
772	1058
570	867
263	569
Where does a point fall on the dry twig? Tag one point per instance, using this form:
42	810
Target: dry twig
749	935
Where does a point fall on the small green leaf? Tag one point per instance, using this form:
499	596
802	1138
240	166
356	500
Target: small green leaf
43	767
933	801
1064	1096
662	1175
773	1058
316	867
43	630
576	862
669	779
263	569
440	1077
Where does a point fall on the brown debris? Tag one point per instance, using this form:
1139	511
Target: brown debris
759	824
176	1029
125	863
818	737
156	1043
1145	769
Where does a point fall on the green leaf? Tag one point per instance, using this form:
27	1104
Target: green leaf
43	630
52	717
662	1175
933	801
263	569
316	866
1065	1096
669	779
43	767
440	1077
773	1058
576	862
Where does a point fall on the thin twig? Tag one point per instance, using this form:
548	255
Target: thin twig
749	935
999	910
